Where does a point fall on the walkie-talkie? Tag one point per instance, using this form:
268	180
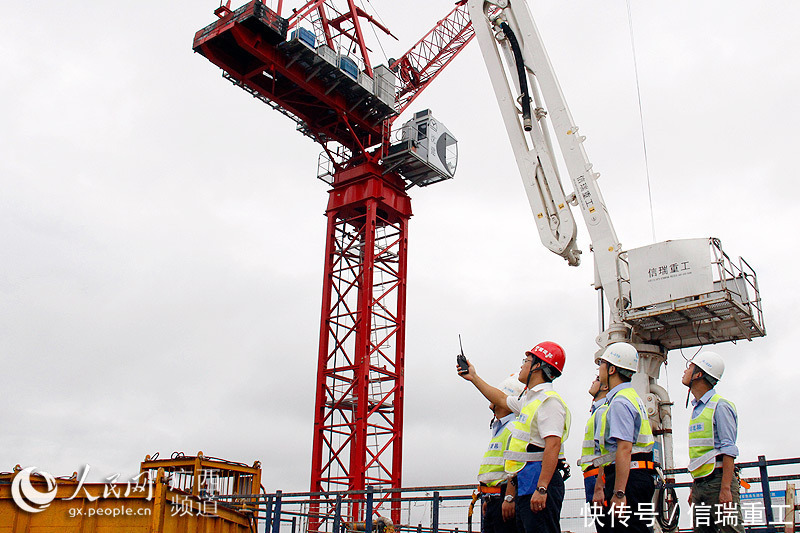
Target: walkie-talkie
461	360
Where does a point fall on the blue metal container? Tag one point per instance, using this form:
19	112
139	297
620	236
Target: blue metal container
305	36
348	66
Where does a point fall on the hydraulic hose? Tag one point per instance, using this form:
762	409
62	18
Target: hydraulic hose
668	512
523	78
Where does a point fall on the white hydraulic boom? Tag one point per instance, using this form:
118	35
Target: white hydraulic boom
722	303
511	32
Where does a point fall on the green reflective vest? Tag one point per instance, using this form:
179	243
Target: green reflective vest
702	455
517	454
588	450
644	433
491	471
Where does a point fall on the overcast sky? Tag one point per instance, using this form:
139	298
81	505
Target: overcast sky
162	231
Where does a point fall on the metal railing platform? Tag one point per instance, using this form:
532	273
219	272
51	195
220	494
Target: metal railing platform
730	311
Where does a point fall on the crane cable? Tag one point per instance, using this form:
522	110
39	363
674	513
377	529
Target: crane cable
668	511
380	44
641	121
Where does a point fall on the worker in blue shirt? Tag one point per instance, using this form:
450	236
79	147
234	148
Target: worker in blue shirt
712	449
625	440
498	497
590	450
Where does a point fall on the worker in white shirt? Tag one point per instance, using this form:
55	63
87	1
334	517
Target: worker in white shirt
535	456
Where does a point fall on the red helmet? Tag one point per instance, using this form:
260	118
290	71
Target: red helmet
549	352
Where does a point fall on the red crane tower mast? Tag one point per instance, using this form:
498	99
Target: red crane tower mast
314	67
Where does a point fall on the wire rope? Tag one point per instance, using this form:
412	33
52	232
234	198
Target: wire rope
641	121
377	39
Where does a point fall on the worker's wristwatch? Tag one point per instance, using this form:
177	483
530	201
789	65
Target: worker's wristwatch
509	498
541	490
619	494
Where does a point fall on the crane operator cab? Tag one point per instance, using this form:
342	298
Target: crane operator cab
426	153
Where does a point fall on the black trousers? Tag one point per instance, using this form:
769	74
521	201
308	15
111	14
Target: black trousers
547	520
639	490
493	519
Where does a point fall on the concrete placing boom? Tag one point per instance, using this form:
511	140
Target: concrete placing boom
668	295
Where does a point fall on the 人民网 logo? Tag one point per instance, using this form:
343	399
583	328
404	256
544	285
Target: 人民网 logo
28	498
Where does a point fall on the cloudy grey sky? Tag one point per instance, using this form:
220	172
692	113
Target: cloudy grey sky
162	232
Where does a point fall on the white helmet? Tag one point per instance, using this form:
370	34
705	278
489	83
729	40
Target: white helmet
621	355
711	363
511	386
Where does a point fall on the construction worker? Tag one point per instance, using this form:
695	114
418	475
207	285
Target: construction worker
624	439
535	455
590	451
712	448
497	496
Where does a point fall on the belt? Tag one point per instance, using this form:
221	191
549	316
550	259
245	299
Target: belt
591	472
484	489
635	465
718	472
643	465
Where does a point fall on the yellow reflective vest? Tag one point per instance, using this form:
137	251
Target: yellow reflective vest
517	454
588	450
644	434
702	454
491	471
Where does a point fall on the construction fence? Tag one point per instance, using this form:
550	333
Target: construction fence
767	499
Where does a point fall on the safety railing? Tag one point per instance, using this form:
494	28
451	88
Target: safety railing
331	160
456	508
443	509
762	510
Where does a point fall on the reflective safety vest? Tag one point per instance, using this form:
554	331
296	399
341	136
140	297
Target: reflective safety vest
491	471
517	454
588	453
702	455
644	433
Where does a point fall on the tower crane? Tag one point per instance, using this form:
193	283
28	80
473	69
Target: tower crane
312	64
668	295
